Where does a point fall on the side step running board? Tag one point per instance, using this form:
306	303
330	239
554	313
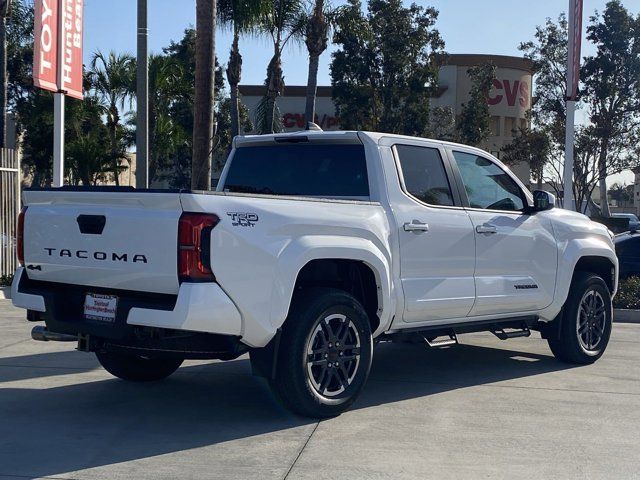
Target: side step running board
452	340
503	334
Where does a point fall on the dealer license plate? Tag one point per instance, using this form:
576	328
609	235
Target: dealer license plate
100	307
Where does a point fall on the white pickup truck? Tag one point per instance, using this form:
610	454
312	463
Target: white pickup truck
315	246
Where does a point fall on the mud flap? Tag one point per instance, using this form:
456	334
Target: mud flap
265	360
552	329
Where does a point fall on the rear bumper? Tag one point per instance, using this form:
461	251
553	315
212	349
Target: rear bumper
25	300
198	307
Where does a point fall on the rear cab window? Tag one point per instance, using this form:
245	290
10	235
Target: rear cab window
423	175
337	171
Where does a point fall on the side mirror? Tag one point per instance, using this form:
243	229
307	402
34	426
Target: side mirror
543	201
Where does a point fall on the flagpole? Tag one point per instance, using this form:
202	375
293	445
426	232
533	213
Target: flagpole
58	106
573	78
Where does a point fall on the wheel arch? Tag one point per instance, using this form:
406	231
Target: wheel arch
587	254
601	266
352	276
581	255
339	266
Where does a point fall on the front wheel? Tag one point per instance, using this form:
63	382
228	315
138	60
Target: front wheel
586	322
325	353
136	368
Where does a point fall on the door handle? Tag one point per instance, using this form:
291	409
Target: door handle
486	228
416	226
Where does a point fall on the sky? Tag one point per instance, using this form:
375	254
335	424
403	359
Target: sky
467	26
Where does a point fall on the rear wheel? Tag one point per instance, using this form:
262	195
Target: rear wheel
325	353
136	368
586	322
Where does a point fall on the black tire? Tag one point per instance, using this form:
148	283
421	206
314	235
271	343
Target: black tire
313	316
135	368
572	347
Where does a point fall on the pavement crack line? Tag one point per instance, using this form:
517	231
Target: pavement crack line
81	369
33	476
487	385
14	344
300	452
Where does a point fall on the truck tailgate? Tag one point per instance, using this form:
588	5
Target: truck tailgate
124	240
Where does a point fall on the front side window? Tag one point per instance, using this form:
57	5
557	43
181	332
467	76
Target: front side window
424	174
313	170
487	185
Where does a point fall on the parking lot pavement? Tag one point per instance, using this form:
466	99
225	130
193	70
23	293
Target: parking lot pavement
486	409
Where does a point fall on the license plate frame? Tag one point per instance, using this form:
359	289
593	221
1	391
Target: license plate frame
100	307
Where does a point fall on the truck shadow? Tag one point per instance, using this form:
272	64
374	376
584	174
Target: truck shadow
70	426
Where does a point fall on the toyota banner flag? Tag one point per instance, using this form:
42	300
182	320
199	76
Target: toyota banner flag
575	41
58	67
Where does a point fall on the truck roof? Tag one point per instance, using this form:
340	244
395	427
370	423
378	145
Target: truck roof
339	136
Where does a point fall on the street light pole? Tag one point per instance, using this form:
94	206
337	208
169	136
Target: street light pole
142	99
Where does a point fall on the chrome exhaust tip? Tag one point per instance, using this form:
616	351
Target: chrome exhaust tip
41	334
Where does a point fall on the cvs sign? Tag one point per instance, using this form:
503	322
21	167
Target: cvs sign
510	90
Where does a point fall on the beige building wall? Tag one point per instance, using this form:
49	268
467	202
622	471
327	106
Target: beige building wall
292	105
509	100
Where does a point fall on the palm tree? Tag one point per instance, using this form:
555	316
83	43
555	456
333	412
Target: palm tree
243	16
204	96
284	20
316	39
88	150
112	78
165	85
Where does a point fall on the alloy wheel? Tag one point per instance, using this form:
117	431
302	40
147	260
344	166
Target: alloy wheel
591	320
333	355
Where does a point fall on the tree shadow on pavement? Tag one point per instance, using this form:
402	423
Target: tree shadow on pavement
65	428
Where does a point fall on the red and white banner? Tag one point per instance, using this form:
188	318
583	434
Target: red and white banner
71	51
45	48
58	67
575	43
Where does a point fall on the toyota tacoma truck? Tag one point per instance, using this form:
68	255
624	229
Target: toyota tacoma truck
314	247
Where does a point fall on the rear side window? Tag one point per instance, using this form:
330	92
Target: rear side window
424	175
331	170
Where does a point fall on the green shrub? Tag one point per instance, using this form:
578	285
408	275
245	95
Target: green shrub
628	295
5	280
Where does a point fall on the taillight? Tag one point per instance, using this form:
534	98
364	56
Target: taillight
20	236
194	247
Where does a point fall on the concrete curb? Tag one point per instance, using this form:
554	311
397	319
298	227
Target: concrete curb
5	293
623	315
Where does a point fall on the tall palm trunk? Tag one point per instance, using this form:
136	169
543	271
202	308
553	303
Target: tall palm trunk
316	40
312	88
234	73
114	119
204	95
275	86
153	140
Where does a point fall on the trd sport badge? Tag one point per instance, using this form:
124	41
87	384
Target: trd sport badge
243	219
